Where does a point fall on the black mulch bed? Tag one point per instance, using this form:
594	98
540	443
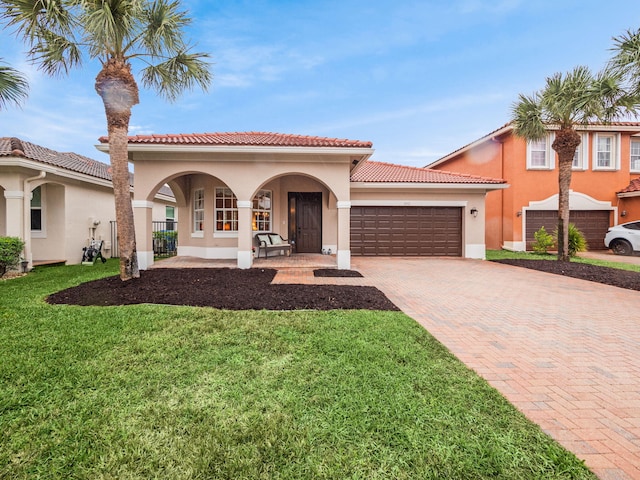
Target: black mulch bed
584	271
223	288
334	272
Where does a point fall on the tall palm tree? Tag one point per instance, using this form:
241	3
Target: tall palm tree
566	102
13	86
115	32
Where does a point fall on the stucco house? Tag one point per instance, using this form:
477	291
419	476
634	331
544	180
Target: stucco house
322	194
57	202
605	185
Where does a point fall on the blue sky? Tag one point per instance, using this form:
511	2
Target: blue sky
417	78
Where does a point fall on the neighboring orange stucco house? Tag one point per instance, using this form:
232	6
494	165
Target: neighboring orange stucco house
605	185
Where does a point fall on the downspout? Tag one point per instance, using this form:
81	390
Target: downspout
26	223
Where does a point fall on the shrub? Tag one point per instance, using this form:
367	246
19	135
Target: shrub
577	242
10	249
166	234
543	241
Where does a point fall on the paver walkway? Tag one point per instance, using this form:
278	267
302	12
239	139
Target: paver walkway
566	352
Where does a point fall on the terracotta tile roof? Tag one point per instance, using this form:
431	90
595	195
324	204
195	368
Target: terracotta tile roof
244	139
372	172
633	187
14	147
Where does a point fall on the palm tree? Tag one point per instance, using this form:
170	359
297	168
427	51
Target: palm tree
13	86
116	32
567	102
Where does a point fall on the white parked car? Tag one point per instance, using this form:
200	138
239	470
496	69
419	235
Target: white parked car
624	239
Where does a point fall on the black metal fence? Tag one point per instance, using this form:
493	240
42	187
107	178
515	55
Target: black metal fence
165	239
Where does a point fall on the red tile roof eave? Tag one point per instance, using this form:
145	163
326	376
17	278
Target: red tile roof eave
244	139
373	172
631	190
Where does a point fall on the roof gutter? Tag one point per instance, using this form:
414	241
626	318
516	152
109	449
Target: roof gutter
431	186
628	194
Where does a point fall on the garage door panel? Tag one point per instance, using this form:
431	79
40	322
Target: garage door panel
592	223
406	231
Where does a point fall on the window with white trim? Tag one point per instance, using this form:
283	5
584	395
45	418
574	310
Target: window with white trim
36	210
170	217
198	210
226	211
539	154
262	211
606	150
580	158
635	155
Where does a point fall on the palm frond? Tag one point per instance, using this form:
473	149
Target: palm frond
181	72
110	27
527	117
31	17
164	24
55	54
626	59
14	87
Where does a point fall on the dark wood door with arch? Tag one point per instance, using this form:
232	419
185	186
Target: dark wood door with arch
305	221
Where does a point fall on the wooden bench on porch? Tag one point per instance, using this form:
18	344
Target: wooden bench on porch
272	242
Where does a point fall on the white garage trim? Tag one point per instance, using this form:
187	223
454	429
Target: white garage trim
408	203
577	201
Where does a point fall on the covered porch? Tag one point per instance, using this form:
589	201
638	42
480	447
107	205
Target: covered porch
231	187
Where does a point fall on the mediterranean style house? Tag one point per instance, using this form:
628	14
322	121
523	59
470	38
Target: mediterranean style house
57	202
321	194
605	185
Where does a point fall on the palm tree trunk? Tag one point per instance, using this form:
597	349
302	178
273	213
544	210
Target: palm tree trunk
118	142
119	92
565	144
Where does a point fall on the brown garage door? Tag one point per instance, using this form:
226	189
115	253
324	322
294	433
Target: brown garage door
592	223
406	231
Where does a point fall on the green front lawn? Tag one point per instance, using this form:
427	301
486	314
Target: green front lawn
178	392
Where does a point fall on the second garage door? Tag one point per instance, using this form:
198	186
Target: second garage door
592	223
406	231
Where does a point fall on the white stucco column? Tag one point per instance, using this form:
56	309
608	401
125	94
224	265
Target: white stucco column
14	212
26	214
245	234
142	216
343	255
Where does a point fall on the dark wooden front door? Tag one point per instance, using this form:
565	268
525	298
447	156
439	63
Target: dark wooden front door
305	221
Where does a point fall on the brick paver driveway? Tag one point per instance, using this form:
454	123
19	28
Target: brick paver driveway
566	352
